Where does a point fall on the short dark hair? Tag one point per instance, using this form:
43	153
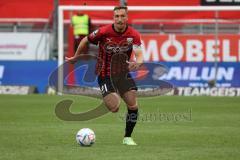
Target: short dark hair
120	7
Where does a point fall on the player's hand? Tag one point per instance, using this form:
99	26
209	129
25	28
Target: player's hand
72	60
133	66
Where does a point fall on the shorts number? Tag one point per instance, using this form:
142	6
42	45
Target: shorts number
104	88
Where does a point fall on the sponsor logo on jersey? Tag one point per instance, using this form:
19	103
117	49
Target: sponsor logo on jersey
113	47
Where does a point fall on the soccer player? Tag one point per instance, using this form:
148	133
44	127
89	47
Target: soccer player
116	43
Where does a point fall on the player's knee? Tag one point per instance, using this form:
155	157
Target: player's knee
112	101
113	106
114	110
133	106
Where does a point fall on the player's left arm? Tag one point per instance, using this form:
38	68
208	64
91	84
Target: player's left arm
137	49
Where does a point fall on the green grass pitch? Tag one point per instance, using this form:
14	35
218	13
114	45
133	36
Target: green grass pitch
169	128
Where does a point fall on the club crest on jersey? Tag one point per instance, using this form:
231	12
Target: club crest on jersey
130	40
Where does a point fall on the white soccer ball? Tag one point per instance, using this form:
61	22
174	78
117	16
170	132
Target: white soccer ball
85	137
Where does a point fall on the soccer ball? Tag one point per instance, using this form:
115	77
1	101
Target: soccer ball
85	137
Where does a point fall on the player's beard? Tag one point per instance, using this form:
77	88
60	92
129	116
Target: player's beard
120	27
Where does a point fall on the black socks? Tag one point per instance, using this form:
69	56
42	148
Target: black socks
131	120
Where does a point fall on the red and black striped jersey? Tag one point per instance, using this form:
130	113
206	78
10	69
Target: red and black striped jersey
115	48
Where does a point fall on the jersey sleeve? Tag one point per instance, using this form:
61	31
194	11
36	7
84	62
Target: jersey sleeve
95	36
137	39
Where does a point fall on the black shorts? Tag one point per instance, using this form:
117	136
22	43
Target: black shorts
119	84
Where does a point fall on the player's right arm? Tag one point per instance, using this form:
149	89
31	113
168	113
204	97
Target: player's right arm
93	38
82	45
